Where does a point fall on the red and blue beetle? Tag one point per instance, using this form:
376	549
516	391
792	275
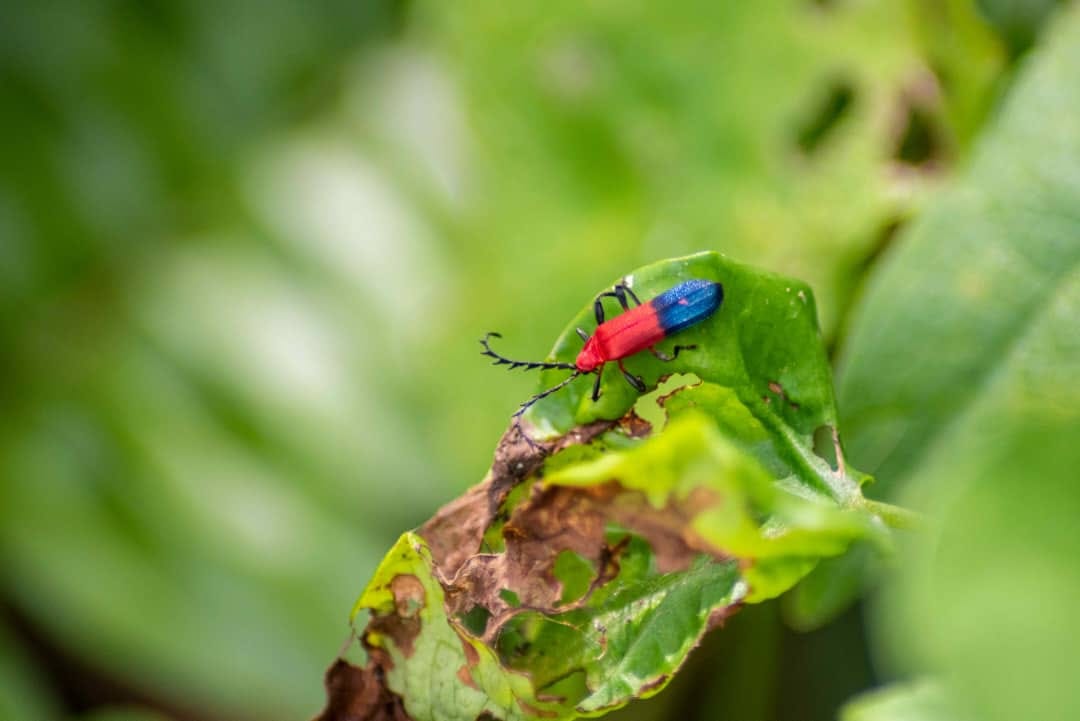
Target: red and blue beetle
635	330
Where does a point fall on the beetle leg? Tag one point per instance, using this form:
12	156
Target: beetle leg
675	352
584	336
635	381
619	293
622	290
598	308
596	385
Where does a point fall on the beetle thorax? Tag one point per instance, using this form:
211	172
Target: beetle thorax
591	357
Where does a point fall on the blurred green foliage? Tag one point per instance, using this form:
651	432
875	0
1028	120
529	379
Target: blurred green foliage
919	701
977	421
245	248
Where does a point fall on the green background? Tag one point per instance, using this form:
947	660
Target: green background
246	250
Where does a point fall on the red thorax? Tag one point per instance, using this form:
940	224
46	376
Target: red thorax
624	335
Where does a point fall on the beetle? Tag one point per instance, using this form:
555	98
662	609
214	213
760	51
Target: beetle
634	330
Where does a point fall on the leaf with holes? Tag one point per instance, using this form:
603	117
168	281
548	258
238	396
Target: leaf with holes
581	572
758	361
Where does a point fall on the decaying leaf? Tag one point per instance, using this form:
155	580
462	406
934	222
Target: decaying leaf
584	568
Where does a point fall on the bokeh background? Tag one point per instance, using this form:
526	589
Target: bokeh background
247	247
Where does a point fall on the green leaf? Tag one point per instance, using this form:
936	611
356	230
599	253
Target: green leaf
829	589
587	585
921	701
764	371
430	651
644	632
960	388
958	299
784	533
631	634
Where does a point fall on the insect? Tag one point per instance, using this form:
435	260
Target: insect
635	330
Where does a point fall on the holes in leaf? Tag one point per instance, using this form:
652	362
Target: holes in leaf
575	574
825	114
648	407
920	143
512	645
475	620
493	541
919	138
825	446
510	597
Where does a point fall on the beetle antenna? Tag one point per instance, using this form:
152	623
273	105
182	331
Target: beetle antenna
527	365
544	394
525	406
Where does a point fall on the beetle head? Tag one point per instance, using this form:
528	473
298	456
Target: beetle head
590	358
